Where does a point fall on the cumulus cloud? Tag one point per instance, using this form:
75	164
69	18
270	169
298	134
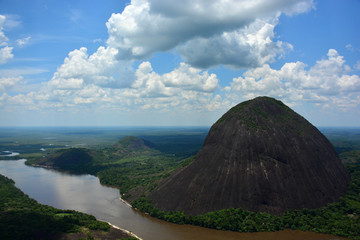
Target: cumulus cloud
251	46
206	33
102	78
185	78
8	82
185	87
5	50
148	26
100	68
326	83
235	33
6	54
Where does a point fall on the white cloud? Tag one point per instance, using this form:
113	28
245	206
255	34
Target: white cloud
8	82
12	21
81	80
6	54
327	82
148	26
112	81
21	100
206	33
3	38
251	46
149	83
5	50
23	41
187	77
91	94
184	78
100	68
185	87
218	103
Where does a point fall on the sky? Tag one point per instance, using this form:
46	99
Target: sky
176	63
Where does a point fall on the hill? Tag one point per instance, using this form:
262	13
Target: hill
131	146
259	156
77	159
130	164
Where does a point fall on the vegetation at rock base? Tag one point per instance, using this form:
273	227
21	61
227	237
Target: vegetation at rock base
260	156
341	218
23	218
131	164
143	171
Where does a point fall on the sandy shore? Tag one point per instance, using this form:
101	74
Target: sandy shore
127	204
124	230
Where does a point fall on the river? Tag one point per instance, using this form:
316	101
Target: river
85	193
8	154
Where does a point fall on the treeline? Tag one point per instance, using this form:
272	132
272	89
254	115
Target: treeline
23	218
340	218
128	165
143	172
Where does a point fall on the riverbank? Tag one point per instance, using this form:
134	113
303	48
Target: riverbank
331	219
126	203
125	231
113	234
77	192
116	236
24	218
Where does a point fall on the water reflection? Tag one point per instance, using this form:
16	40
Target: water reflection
8	154
85	193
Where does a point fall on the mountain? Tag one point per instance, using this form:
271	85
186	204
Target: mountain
259	156
68	158
130	146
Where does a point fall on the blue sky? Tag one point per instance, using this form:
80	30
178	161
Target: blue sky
176	63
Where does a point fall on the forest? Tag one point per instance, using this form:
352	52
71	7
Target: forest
135	165
23	218
340	218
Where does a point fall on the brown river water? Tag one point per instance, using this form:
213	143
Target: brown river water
85	193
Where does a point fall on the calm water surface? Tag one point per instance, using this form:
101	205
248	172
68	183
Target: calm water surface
85	193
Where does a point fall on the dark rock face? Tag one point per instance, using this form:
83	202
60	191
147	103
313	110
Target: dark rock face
259	156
